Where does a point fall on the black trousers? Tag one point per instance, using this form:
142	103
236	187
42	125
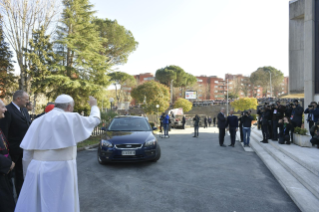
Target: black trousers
17	171
310	125
264	129
284	138
314	141
221	136
232	132
270	129
275	130
241	133
7	203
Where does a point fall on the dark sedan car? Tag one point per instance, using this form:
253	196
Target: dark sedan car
128	139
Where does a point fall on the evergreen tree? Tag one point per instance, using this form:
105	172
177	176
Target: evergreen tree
82	67
41	60
7	78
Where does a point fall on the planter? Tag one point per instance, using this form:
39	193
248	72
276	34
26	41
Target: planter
302	140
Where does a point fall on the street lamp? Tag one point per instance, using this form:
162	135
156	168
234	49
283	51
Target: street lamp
157	106
270	84
111	100
172	91
227	98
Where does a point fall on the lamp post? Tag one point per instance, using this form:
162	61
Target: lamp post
111	100
227	98
157	106
172	91
270	84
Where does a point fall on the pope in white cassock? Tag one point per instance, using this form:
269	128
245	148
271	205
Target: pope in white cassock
49	158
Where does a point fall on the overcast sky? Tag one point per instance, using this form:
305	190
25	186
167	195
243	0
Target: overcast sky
204	37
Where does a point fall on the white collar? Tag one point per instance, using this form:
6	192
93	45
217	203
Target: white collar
16	106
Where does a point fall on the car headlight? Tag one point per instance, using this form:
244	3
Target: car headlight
150	143
106	143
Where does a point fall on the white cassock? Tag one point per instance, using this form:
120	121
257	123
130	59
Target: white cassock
49	161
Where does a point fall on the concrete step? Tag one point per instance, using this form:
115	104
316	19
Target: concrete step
305	176
303	198
305	156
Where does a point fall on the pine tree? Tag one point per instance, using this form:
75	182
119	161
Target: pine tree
42	60
7	78
82	68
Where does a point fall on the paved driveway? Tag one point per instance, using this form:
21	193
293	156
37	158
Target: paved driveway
193	174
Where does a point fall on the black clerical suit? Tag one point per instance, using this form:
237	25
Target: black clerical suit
222	123
14	126
232	123
7	203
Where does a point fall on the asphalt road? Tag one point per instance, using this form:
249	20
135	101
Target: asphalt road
193	175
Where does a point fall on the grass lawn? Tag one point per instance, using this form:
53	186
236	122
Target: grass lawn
90	141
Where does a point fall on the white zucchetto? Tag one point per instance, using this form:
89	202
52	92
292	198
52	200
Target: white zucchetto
63	99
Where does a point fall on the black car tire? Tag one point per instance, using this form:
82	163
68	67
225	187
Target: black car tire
99	159
158	156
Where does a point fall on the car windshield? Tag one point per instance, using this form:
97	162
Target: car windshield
129	124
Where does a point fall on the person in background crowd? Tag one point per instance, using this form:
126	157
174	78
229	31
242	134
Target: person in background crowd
241	127
286	129
222	123
232	123
315	132
172	115
183	121
270	124
196	125
288	110
265	116
278	113
41	114
247	119
205	122
209	121
14	126
7	202
165	125
162	121
50	107
28	106
313	114
214	121
296	117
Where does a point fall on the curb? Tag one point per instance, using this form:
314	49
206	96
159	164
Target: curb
88	147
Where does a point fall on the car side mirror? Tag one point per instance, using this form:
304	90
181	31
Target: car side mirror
154	128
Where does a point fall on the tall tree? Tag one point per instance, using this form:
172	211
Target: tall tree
125	80
150	94
119	42
262	77
83	67
7	78
165	75
20	18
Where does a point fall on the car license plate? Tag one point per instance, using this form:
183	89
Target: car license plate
128	152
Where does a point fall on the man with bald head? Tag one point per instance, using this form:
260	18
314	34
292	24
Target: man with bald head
14	126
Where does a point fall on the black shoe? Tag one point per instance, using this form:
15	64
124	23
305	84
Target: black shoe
194	136
262	140
247	145
223	145
288	143
265	141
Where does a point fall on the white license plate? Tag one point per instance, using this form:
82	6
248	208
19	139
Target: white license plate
128	152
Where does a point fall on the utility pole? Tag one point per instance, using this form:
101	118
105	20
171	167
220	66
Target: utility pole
227	98
172	91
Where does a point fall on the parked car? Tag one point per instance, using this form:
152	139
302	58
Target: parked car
128	139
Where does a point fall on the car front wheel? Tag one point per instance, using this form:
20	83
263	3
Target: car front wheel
158	155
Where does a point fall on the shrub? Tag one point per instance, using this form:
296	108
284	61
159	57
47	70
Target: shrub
303	131
297	130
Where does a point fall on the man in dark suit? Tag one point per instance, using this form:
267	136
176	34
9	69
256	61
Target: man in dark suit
296	117
14	127
222	123
232	123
